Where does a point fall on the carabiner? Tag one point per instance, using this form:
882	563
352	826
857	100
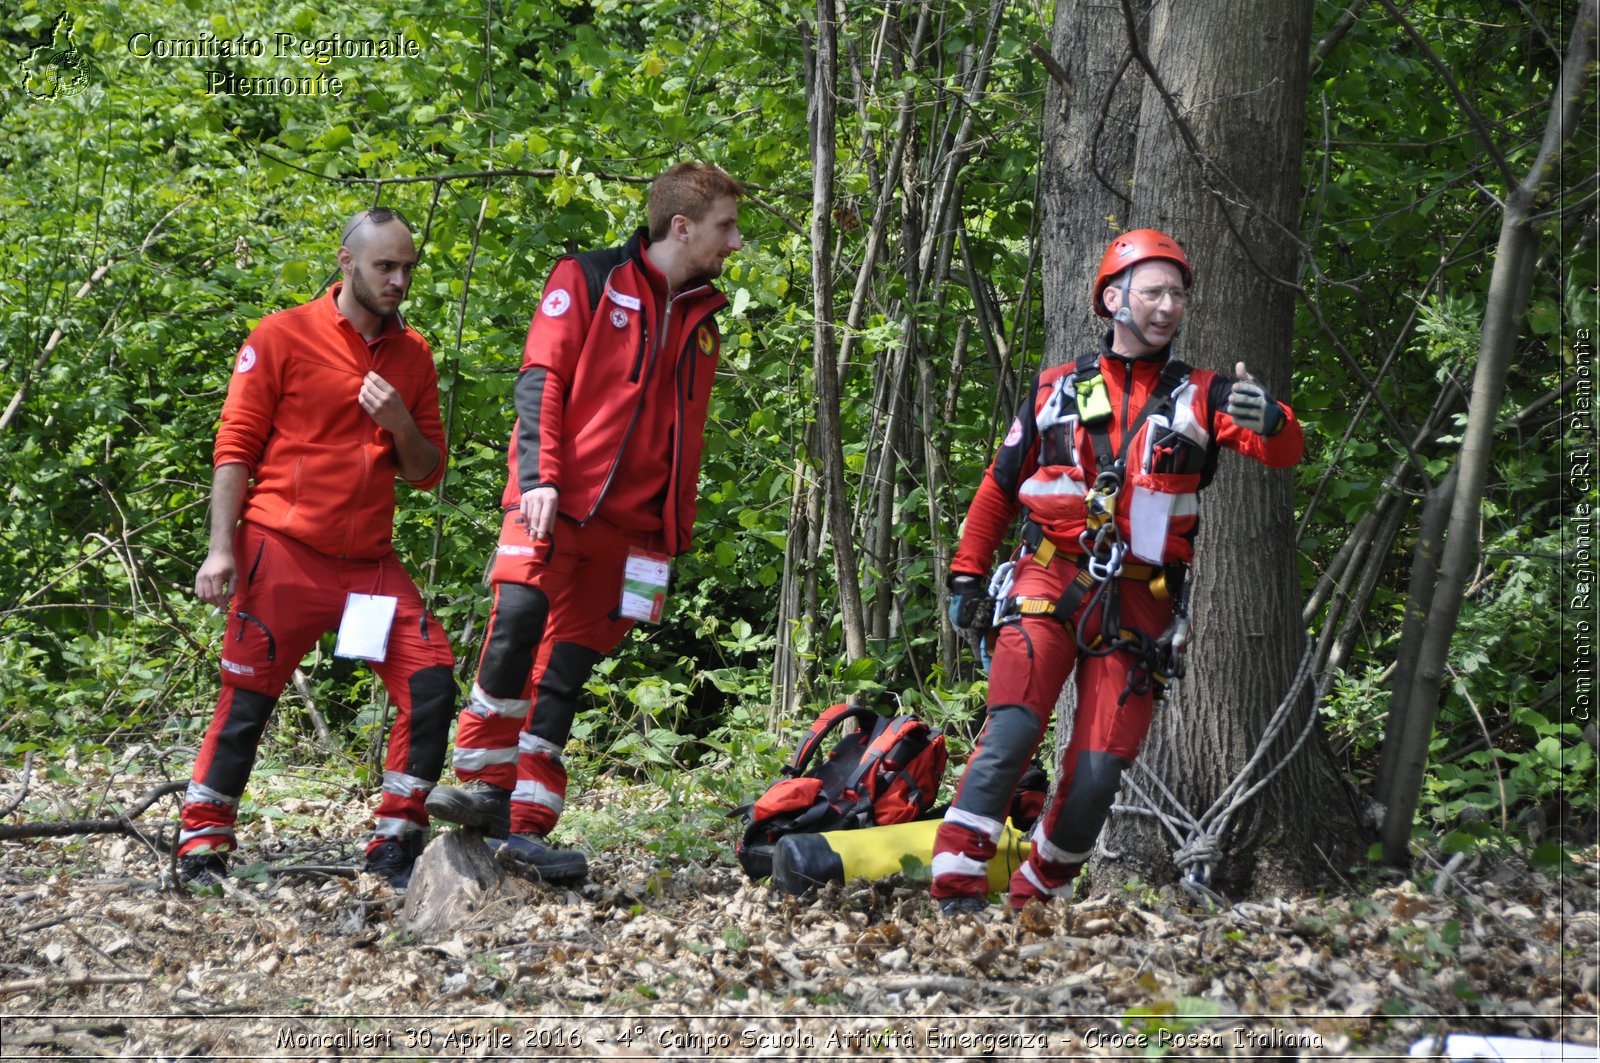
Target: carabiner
1110	567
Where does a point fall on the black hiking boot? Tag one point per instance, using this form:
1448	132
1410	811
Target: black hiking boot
530	857
393	859
950	907
202	870
476	804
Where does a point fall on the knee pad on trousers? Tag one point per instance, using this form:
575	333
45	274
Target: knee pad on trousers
235	752
1005	746
520	612
555	703
433	695
1088	801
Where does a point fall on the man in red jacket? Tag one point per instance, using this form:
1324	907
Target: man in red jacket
328	404
604	468
1104	462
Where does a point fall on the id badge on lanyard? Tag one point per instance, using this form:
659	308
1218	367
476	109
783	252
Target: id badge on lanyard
644	586
364	628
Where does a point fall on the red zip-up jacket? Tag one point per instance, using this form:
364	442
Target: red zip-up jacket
611	403
323	470
1046	463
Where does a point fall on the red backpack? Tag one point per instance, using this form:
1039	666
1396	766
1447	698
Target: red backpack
886	771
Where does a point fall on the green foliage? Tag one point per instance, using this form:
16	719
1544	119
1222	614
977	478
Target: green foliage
1401	241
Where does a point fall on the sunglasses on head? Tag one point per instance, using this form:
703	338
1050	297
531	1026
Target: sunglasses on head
377	216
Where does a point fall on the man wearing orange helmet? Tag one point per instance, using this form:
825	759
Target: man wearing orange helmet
1104	463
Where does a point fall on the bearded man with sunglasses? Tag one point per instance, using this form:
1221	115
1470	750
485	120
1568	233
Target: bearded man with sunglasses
329	403
1104	463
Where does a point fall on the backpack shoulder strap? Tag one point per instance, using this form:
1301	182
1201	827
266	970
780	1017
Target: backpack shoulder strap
1173	376
831	720
597	266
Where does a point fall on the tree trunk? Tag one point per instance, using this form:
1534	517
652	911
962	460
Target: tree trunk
829	454
1198	132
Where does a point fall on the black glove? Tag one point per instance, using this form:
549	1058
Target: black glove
969	602
1252	406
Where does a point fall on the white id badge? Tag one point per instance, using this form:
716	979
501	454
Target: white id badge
644	586
364	628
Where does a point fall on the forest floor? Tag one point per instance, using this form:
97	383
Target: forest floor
100	957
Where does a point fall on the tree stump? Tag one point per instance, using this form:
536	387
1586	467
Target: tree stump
454	878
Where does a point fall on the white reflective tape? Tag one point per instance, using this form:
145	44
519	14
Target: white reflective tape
1049	891
533	792
533	745
223	833
201	794
1063	890
486	705
402	785
989	828
1044	486
1183	419
393	827
958	864
478	759
1052	853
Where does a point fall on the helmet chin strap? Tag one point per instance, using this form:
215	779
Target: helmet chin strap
1124	316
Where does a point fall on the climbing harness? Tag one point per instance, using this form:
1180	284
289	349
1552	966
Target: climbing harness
1102	557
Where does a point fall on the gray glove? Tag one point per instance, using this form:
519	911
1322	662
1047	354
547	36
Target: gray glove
1252	406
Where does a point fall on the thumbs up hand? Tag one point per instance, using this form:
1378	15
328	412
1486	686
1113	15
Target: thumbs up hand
1252	406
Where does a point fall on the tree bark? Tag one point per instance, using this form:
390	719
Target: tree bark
1090	133
1197	131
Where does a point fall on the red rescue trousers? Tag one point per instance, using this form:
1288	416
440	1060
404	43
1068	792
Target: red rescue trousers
554	618
286	597
1033	657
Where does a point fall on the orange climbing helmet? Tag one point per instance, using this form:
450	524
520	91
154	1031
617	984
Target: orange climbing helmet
1130	249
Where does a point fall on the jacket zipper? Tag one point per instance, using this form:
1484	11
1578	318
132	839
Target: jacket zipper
366	470
1127	396
627	434
693	363
633	419
251	578
638	359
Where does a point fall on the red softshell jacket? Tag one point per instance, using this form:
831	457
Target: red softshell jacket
1045	463
323	469
587	384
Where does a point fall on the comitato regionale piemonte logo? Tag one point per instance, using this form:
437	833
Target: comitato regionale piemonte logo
56	69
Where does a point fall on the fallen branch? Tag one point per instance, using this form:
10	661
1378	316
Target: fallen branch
26	985
122	824
332	870
27	777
